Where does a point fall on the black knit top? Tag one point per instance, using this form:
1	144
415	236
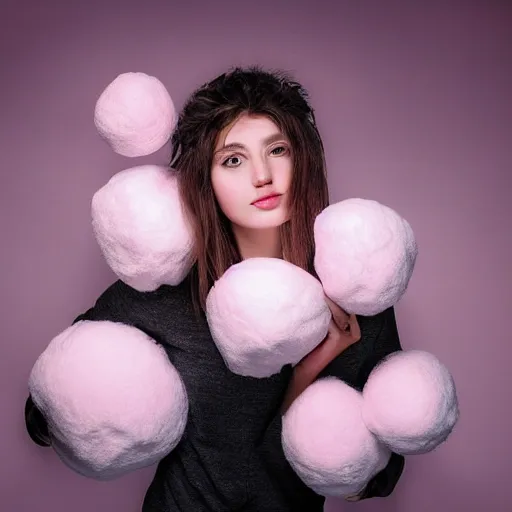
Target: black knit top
230	457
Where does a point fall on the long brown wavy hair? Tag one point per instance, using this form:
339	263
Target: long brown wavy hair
210	109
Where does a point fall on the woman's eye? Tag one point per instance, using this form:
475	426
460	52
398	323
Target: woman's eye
232	161
279	150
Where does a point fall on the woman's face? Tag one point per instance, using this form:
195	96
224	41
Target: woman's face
251	173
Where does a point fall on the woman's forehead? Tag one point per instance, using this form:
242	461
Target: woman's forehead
245	127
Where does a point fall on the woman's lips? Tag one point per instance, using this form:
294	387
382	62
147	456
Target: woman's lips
268	202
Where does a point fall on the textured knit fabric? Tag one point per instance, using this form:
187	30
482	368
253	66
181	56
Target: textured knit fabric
230	457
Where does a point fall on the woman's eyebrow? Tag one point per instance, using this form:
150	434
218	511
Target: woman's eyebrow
237	145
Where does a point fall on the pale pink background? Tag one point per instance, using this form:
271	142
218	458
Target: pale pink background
413	101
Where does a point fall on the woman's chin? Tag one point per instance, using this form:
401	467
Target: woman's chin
266	224
261	220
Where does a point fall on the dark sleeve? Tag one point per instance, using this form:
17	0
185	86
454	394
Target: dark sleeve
114	304
281	476
379	338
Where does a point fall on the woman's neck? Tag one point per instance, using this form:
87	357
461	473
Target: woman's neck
258	243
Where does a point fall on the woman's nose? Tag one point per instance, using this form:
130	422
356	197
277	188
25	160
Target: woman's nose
262	175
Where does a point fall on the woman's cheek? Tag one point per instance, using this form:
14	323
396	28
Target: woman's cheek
228	197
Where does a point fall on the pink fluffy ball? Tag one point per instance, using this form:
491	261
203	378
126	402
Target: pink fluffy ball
365	255
326	442
112	399
410	402
140	225
265	313
135	114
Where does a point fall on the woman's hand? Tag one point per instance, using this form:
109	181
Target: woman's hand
343	332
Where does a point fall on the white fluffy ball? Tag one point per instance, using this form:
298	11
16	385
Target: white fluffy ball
326	442
365	255
410	402
135	114
265	313
141	228
112	399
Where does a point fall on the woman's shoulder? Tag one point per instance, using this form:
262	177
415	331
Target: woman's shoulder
122	303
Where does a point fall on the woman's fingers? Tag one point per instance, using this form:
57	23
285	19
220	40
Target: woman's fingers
346	323
340	316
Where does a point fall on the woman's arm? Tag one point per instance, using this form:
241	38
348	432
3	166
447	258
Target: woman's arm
111	305
379	338
107	307
91	400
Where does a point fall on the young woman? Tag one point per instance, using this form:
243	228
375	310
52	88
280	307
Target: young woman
252	176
